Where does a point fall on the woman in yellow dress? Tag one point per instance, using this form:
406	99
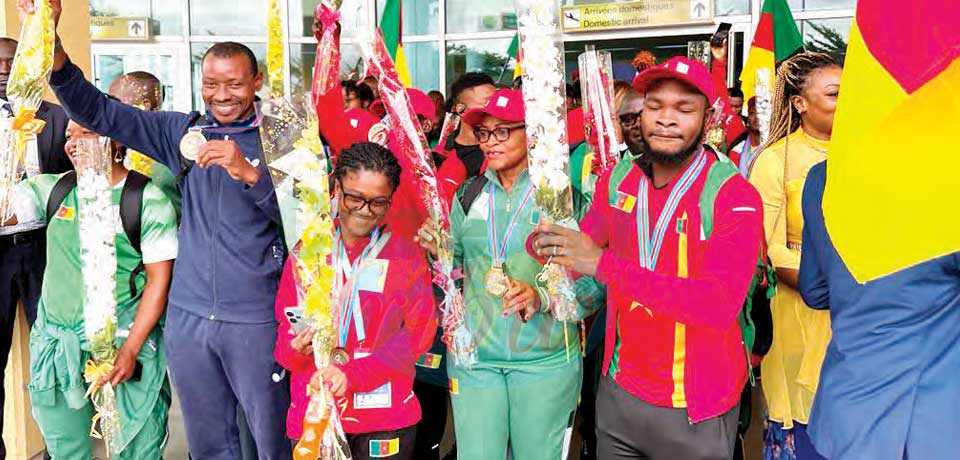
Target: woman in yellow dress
804	100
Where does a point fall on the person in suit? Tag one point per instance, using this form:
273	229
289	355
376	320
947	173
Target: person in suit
23	246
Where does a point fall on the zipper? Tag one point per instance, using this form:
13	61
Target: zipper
216	246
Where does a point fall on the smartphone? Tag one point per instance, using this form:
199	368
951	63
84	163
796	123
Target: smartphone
295	318
723	31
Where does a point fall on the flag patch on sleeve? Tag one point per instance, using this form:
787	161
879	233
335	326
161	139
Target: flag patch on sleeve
384	448
66	213
625	202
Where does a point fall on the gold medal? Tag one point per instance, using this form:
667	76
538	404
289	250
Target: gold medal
190	144
497	283
339	356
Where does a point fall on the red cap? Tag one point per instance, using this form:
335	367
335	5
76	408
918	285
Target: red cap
505	104
360	120
694	73
422	104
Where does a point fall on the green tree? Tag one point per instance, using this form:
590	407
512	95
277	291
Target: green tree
829	41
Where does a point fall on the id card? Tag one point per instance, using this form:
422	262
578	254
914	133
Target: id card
376	399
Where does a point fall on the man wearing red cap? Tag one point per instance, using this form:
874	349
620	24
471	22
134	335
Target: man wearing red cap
675	238
523	390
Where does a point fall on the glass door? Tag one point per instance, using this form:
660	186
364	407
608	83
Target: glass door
168	62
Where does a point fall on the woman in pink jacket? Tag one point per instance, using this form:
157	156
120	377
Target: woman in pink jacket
389	315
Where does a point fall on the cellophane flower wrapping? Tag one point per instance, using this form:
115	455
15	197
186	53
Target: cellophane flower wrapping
764	103
28	77
596	85
544	96
414	155
326	69
97	219
298	165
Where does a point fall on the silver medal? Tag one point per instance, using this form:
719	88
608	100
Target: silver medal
190	144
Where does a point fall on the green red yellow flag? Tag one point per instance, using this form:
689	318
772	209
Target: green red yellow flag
891	193
775	39
391	27
514	52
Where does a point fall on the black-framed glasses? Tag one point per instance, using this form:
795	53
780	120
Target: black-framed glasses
629	119
500	133
378	206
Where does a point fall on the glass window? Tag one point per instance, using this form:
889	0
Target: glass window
423	60
107	67
301	65
488	56
729	7
352	17
165	15
228	17
827	36
420	17
821	4
197	51
480	16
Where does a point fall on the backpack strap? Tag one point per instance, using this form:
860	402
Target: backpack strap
719	173
59	193
131	217
470	191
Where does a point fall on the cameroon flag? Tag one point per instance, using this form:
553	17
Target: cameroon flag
391	27
514	52
891	193
775	39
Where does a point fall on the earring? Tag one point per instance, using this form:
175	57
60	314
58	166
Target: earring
117	158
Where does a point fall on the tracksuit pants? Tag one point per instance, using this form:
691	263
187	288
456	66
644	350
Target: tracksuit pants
214	365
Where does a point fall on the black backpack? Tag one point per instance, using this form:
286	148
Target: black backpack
131	204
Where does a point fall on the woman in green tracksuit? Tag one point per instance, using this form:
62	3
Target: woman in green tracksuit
523	390
59	347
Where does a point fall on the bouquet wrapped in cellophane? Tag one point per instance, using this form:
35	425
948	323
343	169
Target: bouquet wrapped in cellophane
299	168
596	83
98	222
28	78
326	69
544	95
410	147
764	102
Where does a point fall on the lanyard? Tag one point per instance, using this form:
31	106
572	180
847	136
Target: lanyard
347	275
650	248
495	252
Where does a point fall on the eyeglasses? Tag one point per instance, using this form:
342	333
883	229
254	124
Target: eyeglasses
378	206
501	134
629	119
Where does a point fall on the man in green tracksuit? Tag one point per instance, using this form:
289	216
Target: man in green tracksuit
59	347
523	390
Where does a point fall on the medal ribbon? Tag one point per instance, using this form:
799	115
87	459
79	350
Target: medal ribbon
650	249
495	252
217	129
350	273
746	156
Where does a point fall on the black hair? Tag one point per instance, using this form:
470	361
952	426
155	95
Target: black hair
465	82
368	156
363	92
735	92
231	49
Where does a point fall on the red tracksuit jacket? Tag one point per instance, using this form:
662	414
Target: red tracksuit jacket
681	344
400	323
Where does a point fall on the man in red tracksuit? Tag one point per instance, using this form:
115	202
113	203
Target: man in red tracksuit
677	274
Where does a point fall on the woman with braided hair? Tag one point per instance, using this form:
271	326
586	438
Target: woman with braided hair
804	101
387	316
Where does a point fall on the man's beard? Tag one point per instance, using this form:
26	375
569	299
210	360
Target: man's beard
664	158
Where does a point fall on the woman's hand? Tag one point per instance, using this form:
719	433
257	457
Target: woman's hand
428	238
334	379
303	342
521	299
123	366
